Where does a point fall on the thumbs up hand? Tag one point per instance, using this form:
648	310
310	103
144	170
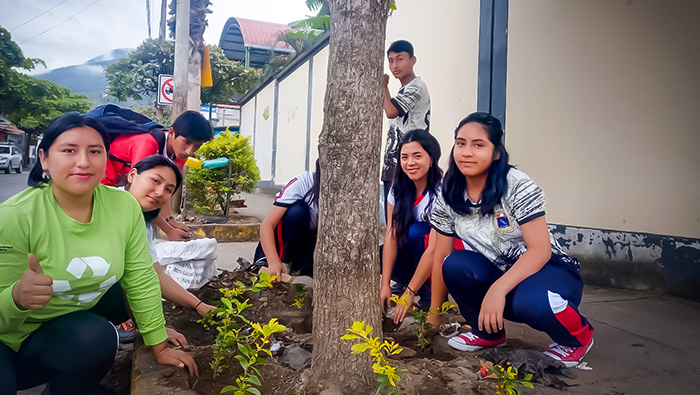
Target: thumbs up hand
33	291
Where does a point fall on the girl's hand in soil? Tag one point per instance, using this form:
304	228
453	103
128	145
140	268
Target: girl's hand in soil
176	338
403	308
169	356
491	313
203	308
384	296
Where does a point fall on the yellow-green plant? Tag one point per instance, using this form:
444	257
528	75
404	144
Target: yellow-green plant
424	328
302	291
508	382
233	339
251	355
387	374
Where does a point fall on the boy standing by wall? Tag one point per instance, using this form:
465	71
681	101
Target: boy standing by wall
189	131
408	110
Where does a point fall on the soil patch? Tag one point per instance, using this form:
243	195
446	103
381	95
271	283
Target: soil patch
437	369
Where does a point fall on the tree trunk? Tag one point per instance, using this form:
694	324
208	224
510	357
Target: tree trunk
346	264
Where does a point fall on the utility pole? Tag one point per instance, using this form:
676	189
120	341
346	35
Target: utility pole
182	52
163	21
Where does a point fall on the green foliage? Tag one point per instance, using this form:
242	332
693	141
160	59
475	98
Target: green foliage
424	328
235	340
230	79
136	76
28	102
302	291
508	382
210	187
387	374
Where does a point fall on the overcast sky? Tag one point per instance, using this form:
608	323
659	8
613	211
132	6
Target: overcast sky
102	25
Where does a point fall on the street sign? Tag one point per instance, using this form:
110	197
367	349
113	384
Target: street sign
166	85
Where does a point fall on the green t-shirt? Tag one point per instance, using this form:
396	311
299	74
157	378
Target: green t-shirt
83	259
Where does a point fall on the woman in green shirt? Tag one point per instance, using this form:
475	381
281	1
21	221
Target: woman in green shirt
63	243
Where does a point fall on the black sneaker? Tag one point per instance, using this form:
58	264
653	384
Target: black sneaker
126	332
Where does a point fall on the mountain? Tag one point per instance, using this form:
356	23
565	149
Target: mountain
87	78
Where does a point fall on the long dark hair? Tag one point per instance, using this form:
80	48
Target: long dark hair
315	190
59	125
455	183
151	162
405	189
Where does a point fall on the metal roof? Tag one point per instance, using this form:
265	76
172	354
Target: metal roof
257	37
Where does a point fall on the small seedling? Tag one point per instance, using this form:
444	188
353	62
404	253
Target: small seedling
302	291
508	382
387	374
234	338
421	316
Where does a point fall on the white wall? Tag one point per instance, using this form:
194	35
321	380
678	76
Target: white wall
291	124
247	126
318	93
445	38
264	119
602	98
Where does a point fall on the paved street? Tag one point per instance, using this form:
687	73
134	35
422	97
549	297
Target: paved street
12	183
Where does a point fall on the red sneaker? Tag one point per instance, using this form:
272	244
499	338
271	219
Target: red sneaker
570	356
471	342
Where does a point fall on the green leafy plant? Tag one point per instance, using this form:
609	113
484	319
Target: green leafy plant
235	340
251	355
209	188
387	374
302	291
424	328
508	382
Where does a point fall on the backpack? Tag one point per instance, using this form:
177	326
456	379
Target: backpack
119	121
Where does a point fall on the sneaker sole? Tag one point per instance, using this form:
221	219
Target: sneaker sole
570	364
465	347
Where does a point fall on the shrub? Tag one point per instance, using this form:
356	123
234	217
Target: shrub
209	188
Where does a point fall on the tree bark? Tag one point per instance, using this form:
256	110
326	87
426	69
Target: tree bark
346	264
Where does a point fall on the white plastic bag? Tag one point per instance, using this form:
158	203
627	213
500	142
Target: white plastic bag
190	263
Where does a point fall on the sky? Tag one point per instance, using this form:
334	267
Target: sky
44	28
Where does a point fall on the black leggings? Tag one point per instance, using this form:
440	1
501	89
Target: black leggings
294	240
71	353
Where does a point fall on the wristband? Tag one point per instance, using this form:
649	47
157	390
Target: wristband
197	305
169	218
412	291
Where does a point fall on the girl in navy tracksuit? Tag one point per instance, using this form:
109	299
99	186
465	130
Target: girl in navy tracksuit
516	271
415	187
288	233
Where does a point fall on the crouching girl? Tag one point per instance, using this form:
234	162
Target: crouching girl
517	270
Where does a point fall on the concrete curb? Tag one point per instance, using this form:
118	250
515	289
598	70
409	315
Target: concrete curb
147	376
225	233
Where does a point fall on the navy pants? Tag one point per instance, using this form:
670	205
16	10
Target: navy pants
408	258
547	301
294	240
71	353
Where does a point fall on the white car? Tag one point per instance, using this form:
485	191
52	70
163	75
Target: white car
10	158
